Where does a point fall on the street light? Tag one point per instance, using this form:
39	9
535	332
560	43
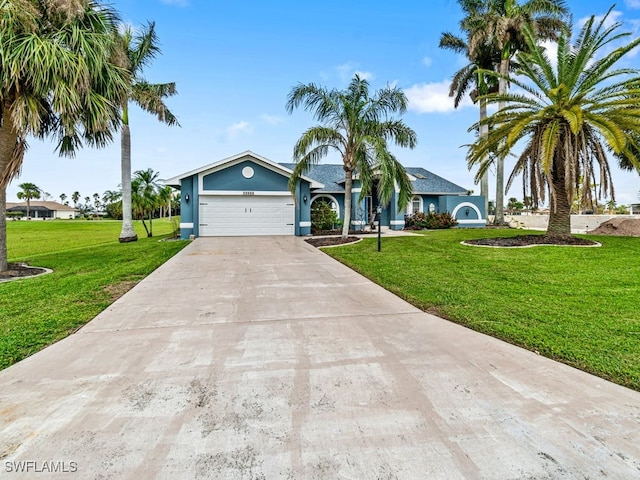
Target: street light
378	215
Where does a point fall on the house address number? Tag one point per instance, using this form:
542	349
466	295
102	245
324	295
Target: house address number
248	193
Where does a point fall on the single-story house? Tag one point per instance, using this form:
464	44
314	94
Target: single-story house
43	210
247	194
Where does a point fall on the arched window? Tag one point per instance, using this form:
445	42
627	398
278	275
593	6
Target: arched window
415	205
330	200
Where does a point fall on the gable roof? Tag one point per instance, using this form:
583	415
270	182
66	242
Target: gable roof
424	182
221	164
40	206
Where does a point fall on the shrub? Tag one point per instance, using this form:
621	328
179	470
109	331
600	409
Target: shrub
430	221
322	216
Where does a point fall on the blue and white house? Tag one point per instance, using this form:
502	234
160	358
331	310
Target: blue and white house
247	194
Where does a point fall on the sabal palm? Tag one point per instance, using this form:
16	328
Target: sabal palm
144	196
503	23
58	78
569	114
358	127
27	192
140	48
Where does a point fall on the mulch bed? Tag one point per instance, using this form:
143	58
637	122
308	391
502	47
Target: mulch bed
530	240
20	270
330	241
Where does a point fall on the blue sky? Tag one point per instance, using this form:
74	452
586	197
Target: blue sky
234	63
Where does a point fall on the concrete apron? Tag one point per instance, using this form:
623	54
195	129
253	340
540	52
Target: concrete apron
262	358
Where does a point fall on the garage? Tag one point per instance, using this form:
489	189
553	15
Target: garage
236	215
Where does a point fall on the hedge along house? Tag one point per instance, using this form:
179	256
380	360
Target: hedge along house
247	194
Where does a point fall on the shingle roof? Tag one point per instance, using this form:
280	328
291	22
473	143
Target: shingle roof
430	183
40	205
332	176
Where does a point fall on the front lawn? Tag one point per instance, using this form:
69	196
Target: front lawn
577	305
90	270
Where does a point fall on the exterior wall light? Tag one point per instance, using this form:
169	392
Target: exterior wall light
186	198
304	198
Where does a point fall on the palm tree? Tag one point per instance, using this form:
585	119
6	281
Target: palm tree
569	115
63	197
470	79
58	78
164	200
75	197
357	126
28	192
144	196
112	203
140	49
503	24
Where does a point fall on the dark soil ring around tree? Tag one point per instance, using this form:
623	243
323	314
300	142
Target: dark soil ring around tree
17	271
524	241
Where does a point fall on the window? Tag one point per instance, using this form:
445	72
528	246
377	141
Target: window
416	205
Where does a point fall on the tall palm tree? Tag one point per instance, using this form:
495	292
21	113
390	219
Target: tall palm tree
357	126
28	191
58	78
569	115
140	48
144	196
470	79
503	24
75	197
63	197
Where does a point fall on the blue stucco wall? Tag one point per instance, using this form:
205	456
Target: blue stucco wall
188	210
231	178
468	210
303	209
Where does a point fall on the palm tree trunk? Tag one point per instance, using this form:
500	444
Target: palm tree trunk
348	183
127	234
502	88
560	211
484	181
8	140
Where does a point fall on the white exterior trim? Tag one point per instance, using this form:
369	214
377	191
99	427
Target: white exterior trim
410	205
233	160
238	193
472	207
472	222
186	225
305	224
397	222
358	222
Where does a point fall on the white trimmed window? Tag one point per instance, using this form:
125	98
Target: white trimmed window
415	205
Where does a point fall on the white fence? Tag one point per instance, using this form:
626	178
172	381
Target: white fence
579	223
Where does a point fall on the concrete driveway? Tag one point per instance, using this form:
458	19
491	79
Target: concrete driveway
262	358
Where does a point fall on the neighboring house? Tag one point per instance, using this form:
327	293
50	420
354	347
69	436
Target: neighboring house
247	194
43	210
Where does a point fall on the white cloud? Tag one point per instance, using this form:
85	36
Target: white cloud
632	3
346	72
272	119
427	61
613	17
239	128
433	98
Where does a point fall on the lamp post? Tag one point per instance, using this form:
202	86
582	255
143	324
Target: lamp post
378	215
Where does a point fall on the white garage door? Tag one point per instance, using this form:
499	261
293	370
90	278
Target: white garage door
225	216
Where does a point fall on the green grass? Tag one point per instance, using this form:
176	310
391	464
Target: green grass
575	305
90	268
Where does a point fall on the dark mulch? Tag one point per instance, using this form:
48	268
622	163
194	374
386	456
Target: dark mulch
329	241
528	240
20	270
